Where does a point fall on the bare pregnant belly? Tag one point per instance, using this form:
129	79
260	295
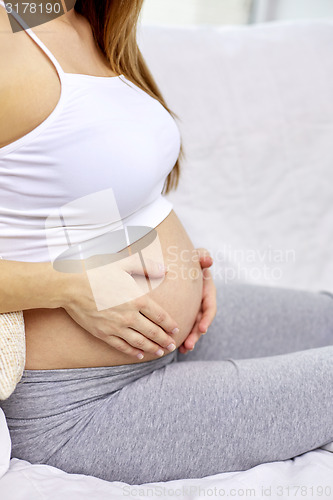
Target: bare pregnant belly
54	340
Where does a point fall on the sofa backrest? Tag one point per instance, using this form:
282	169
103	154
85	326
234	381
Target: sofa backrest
255	107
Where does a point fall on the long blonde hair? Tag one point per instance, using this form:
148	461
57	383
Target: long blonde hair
114	26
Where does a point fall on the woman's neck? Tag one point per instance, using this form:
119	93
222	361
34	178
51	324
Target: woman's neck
70	15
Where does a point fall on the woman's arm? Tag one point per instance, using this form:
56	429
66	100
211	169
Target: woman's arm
32	285
134	326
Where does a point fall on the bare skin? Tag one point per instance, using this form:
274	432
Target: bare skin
54	340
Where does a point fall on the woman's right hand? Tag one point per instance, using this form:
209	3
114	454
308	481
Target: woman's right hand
134	326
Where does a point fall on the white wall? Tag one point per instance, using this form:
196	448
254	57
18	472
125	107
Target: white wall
219	12
304	8
195	12
270	10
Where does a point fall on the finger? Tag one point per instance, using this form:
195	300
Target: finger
192	339
146	335
205	258
154	269
209	307
194	334
122	346
153	311
208	277
209	312
206	261
182	349
148	268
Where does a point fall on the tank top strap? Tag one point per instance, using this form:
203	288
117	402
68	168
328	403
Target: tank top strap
35	38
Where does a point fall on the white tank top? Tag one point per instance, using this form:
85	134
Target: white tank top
95	165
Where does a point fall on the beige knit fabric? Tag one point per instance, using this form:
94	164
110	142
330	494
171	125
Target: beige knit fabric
12	351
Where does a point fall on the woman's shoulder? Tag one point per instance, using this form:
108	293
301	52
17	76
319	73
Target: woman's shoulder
8	35
8	49
10	42
28	88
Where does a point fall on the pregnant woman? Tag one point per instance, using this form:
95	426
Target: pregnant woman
88	147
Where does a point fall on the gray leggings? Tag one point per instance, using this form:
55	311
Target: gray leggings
258	387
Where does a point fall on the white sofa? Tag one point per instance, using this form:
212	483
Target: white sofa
256	110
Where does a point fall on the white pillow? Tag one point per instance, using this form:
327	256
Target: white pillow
5	445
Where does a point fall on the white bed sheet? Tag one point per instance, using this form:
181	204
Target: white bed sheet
273	480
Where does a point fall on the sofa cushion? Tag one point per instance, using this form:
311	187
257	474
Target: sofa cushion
5	444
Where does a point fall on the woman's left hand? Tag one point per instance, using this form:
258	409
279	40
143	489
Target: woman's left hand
208	304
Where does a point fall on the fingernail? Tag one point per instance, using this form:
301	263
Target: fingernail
162	268
171	347
139	355
160	352
175	330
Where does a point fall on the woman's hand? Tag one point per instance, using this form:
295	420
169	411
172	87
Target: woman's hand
137	324
208	305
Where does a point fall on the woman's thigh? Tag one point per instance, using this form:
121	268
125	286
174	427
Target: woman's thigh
200	418
254	321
